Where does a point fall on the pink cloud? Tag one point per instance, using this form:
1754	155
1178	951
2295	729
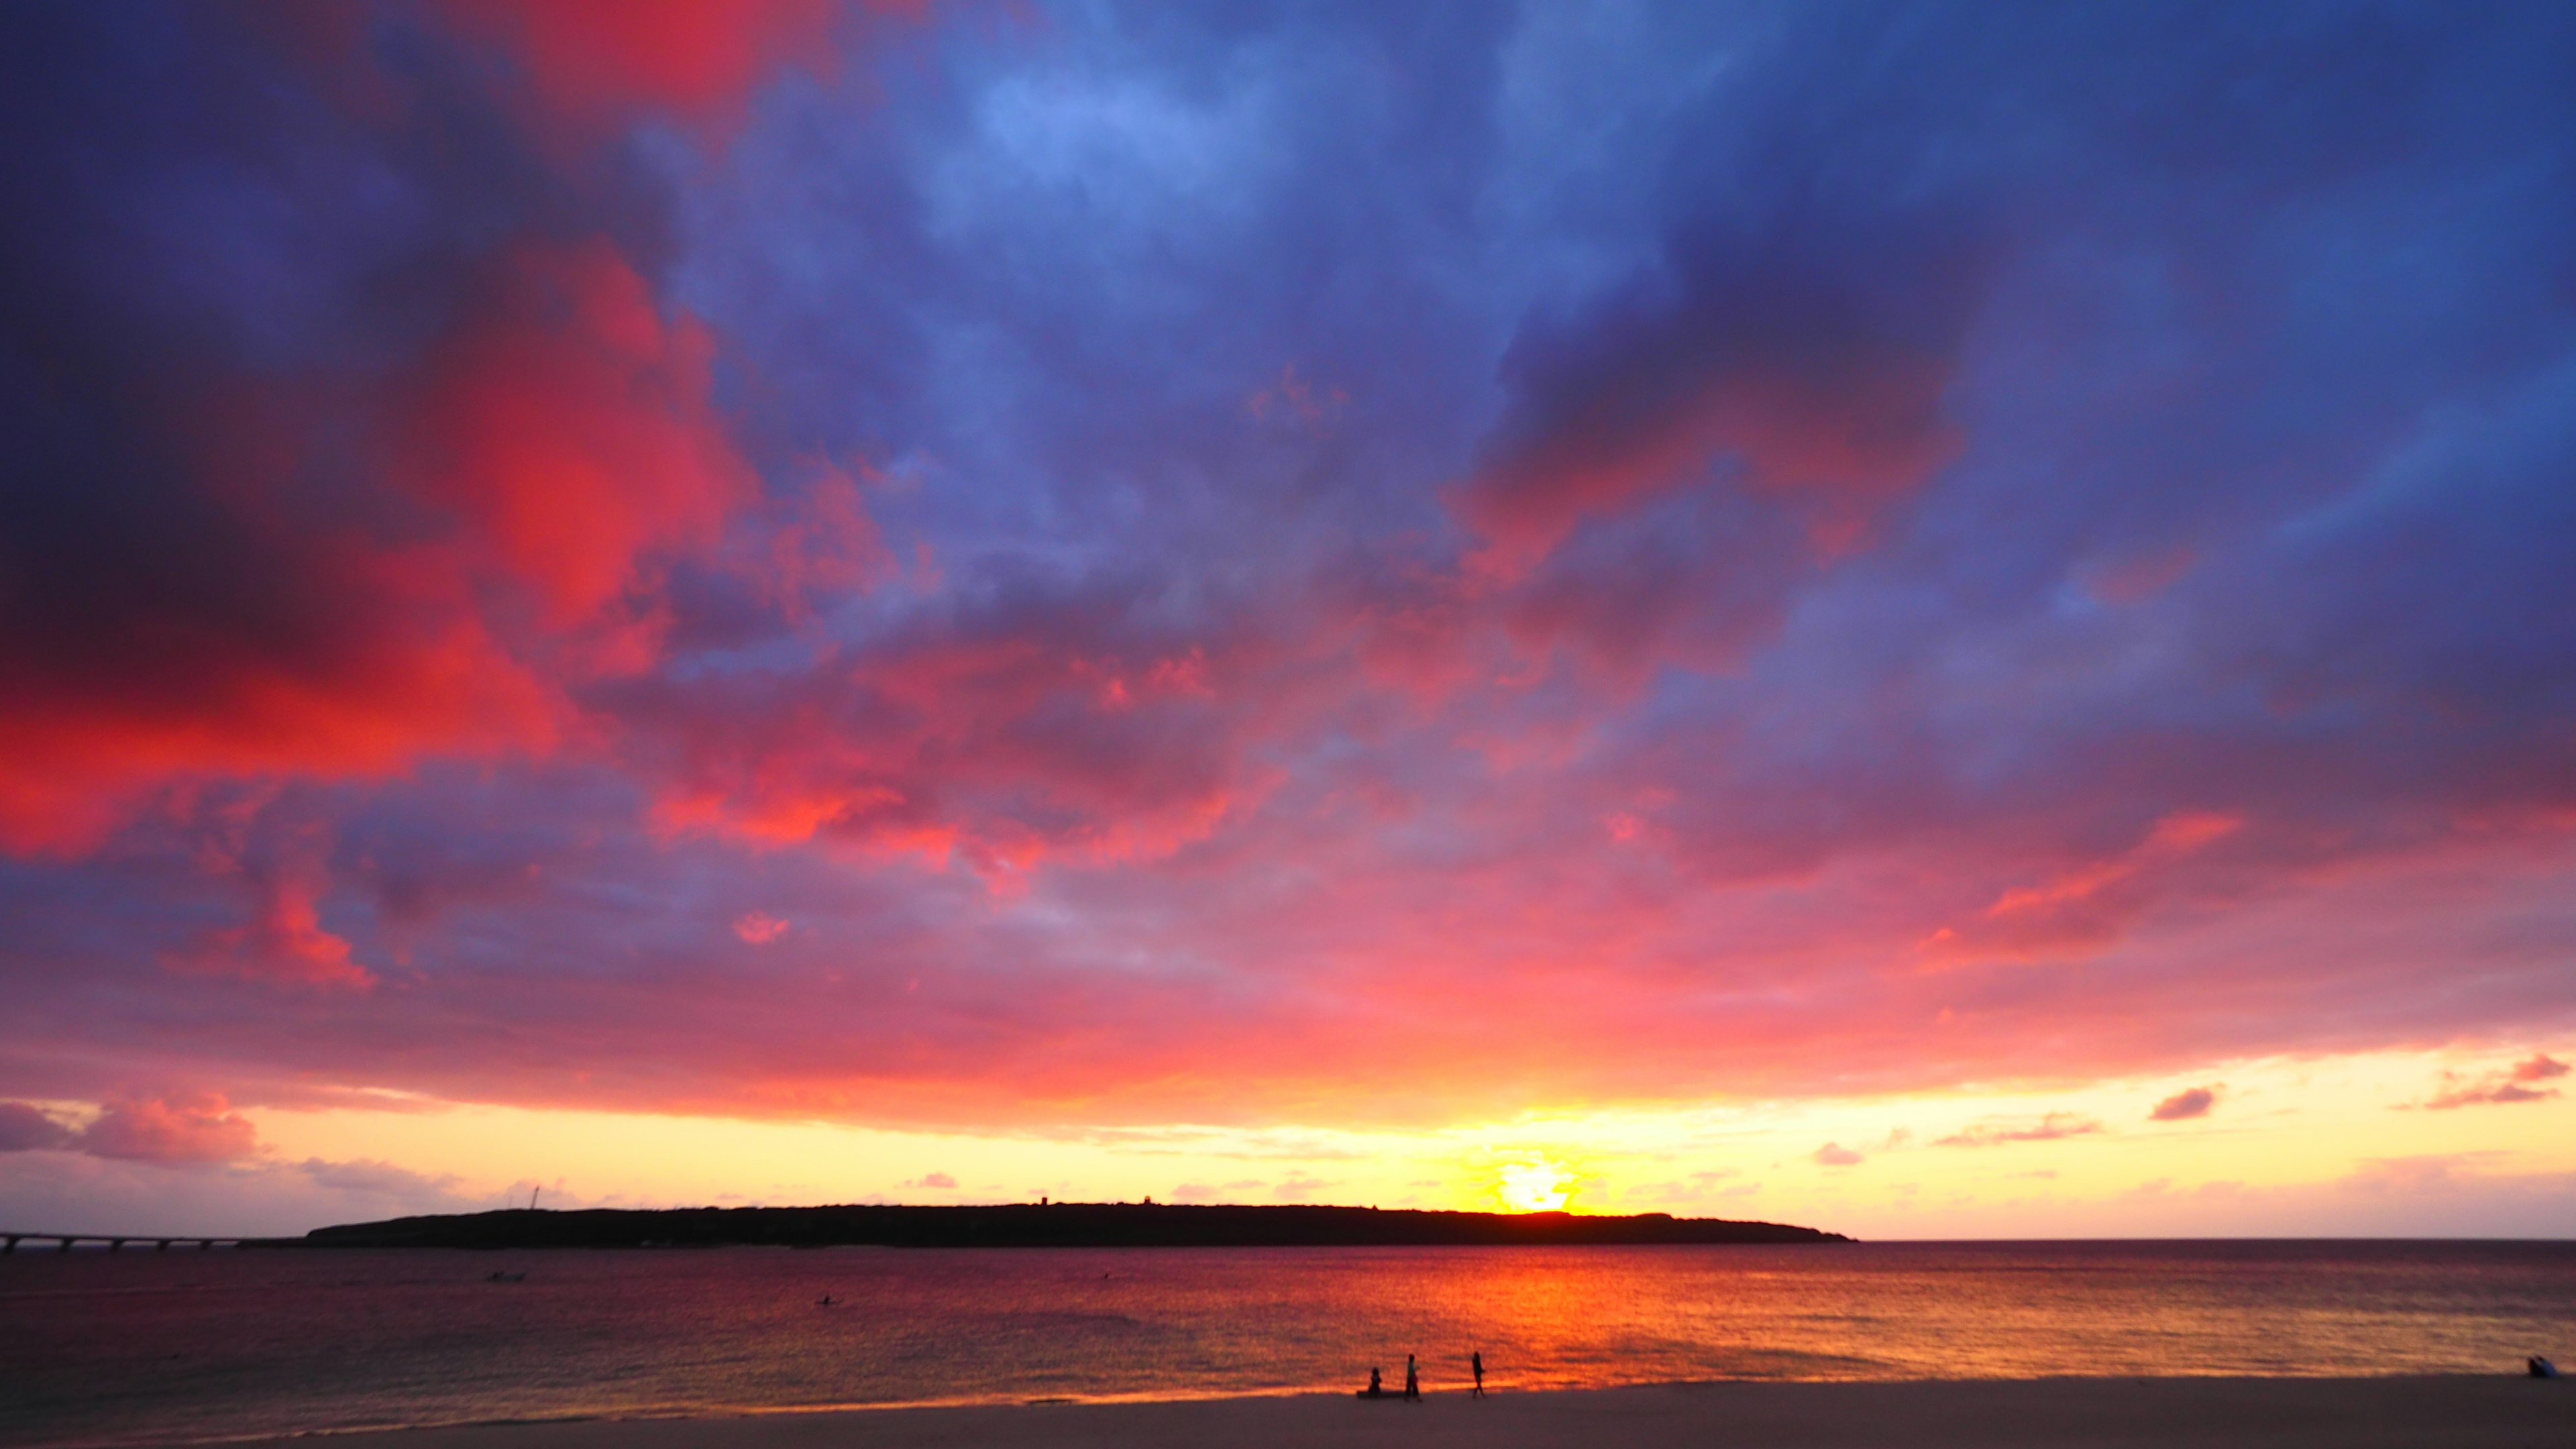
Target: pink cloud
2502	1087
284	941
193	1128
985	745
759	927
2089	903
2048	1127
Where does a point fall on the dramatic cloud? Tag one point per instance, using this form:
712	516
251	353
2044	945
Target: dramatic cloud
1106	568
1836	1155
2184	1105
566	423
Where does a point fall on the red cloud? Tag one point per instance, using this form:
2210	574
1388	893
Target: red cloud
232	592
591	59
75	756
283	942
563	431
569	424
216	628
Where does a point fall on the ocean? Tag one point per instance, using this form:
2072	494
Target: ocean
141	1348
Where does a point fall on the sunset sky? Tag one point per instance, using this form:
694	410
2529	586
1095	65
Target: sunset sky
1930	621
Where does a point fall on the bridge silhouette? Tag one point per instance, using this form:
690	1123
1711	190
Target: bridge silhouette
62	1242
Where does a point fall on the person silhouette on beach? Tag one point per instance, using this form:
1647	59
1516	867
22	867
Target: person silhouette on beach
1476	1361
1412	1380
1375	1390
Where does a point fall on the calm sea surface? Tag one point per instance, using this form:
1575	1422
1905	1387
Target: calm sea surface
141	1347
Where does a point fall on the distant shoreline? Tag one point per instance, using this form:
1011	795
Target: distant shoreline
1038	1225
2455	1411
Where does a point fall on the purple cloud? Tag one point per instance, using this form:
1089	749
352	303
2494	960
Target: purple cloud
2184	1105
1230	631
27	1128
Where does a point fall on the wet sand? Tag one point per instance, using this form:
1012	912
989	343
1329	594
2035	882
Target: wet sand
2465	1412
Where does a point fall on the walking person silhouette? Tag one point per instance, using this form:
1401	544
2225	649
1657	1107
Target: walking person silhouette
1476	1361
1412	1380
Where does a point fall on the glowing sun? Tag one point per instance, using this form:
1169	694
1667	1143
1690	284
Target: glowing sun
1535	1187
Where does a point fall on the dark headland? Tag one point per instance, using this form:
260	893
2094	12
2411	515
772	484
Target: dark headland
1038	1225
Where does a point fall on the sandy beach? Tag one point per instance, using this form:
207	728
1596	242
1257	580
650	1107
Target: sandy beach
2346	1413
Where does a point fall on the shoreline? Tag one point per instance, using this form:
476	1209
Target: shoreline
2400	1410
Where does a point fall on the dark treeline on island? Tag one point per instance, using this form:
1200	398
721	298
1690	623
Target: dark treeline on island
1037	1225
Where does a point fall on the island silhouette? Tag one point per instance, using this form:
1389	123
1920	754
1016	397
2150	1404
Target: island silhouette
1038	1225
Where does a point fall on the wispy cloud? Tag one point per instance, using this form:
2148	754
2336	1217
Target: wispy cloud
2048	1127
2517	1083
